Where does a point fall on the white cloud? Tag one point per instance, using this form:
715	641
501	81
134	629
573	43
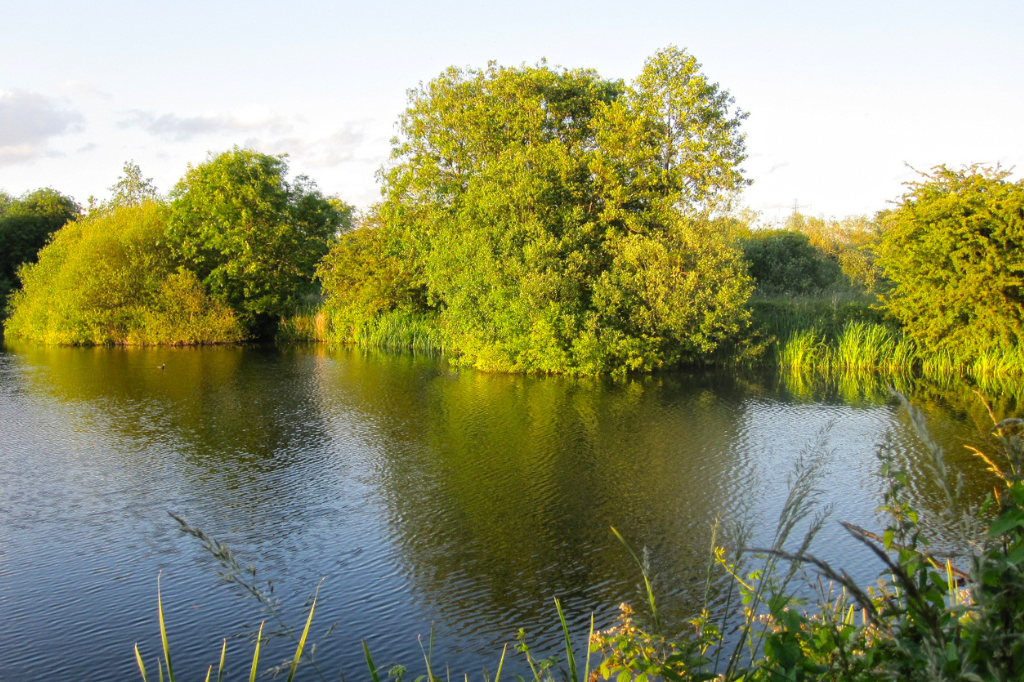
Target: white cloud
27	122
184	128
333	150
82	89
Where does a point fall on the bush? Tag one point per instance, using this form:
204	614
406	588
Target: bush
785	262
111	278
26	224
954	250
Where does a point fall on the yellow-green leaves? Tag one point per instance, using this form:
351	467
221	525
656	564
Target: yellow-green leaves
549	220
954	249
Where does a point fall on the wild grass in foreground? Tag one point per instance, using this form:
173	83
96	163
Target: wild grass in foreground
949	613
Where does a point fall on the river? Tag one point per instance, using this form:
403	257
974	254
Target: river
418	496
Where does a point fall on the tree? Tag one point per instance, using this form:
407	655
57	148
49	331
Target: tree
110	278
26	224
249	235
131	189
561	222
954	250
785	262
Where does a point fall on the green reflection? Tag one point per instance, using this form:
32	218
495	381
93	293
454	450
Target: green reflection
501	489
497	491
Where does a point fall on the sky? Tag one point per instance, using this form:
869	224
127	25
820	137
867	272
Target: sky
846	101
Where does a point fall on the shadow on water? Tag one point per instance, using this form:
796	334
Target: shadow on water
424	494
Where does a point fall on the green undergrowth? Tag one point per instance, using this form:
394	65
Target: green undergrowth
849	335
396	329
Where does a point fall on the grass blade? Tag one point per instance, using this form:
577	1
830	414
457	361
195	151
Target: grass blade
590	636
256	654
142	667
647	581
573	675
427	654
497	675
220	668
208	671
302	642
369	662
163	630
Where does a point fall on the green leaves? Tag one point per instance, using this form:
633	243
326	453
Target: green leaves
252	238
555	221
955	250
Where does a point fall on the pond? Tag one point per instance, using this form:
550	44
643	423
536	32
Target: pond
423	496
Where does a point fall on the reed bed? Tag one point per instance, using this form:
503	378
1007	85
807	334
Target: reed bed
398	329
872	347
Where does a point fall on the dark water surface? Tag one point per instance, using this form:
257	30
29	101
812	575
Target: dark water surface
422	495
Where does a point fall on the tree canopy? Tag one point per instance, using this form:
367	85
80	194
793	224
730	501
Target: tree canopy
132	188
252	237
552	220
26	224
954	250
111	278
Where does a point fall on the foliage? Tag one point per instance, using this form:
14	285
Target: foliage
249	235
954	249
555	221
110	278
366	277
26	224
784	261
850	242
132	189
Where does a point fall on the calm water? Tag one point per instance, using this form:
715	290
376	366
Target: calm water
422	495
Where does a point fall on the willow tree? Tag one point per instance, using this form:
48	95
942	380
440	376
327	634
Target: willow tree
557	221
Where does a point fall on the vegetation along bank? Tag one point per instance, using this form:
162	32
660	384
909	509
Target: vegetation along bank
535	219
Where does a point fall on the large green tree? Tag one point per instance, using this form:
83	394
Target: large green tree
252	237
954	250
560	222
26	224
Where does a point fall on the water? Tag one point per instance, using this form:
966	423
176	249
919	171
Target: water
421	495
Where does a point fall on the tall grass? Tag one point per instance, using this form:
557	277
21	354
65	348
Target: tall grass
830	339
396	329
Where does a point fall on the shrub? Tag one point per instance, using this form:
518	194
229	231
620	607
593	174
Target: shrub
783	261
954	249
26	224
110	278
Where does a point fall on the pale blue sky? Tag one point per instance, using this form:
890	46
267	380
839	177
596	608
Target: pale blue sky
841	95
